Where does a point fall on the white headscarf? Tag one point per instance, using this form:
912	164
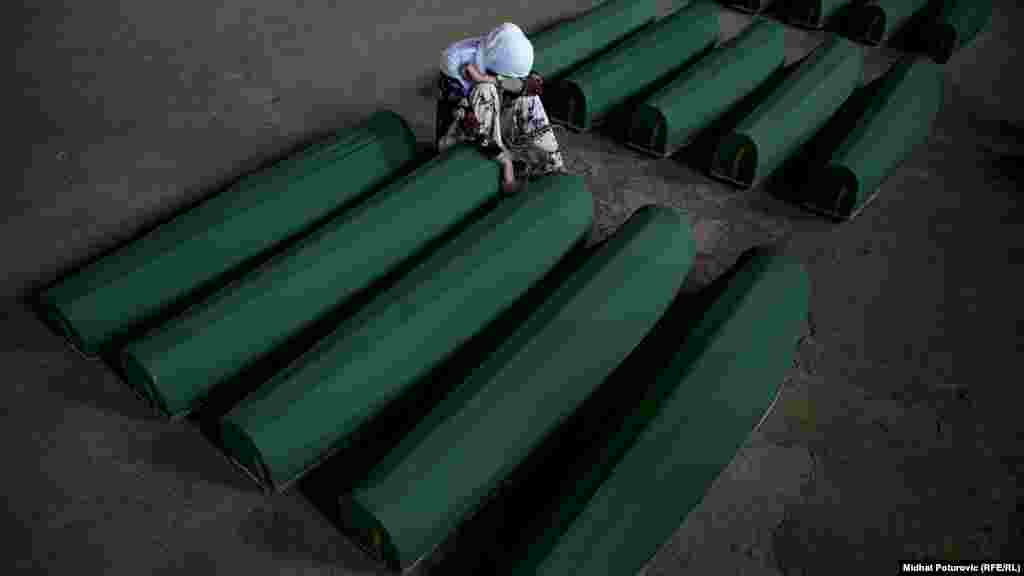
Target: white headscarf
506	51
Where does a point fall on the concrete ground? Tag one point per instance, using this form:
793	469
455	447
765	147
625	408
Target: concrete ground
896	436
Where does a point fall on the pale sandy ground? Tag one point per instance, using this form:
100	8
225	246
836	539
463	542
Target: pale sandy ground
897	433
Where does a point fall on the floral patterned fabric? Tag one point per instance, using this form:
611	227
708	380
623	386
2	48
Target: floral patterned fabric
514	127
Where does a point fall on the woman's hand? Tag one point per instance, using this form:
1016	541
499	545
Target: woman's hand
473	74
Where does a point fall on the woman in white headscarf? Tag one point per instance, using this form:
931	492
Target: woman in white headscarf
489	96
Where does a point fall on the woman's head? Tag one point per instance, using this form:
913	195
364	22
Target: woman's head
506	51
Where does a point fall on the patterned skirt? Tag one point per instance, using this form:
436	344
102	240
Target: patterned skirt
514	127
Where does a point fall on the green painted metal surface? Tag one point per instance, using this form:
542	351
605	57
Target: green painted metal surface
178	364
875	22
813	13
590	93
887	120
750	6
442	471
674	115
244	221
682	430
310	409
562	47
956	24
790	114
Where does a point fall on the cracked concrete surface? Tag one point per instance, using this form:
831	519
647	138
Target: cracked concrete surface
896	435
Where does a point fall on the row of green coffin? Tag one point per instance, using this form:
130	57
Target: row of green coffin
674	115
488	423
940	27
308	409
589	93
844	164
791	112
313	406
699	96
945	26
643	443
199	248
863	137
630	488
178	364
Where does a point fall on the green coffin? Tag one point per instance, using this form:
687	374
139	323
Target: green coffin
197	248
956	24
887	119
674	115
875	22
790	114
626	500
590	93
749	6
178	364
444	469
311	408
813	13
562	47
